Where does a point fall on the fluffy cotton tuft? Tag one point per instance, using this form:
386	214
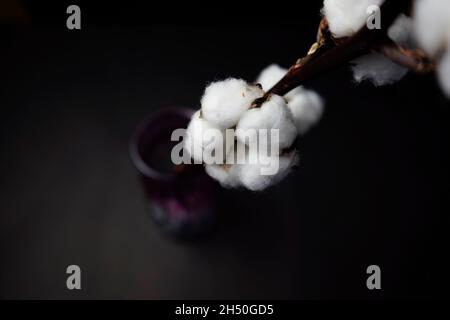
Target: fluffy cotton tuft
443	73
377	69
224	102
273	114
226	175
251	177
270	76
195	142
305	105
402	31
432	31
245	168
432	24
345	17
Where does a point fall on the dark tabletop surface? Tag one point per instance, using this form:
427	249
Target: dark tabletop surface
372	186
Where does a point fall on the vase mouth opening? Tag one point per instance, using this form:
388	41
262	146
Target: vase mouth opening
150	144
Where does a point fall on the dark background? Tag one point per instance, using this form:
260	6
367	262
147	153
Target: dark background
372	187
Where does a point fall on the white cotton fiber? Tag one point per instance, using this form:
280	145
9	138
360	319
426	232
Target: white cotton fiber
247	168
252	178
273	114
195	142
270	76
402	31
226	175
224	102
345	17
306	107
443	73
432	24
377	69
432	31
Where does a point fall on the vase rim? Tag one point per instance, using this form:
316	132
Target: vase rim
135	154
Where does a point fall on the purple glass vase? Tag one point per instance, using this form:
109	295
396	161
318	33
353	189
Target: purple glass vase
181	198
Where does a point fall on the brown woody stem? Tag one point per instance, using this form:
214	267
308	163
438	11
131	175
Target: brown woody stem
414	59
328	53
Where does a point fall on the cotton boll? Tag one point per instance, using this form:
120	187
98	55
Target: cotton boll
346	17
273	114
246	167
432	24
306	107
377	69
401	31
432	31
224	102
443	73
226	175
252	178
270	76
293	93
195	141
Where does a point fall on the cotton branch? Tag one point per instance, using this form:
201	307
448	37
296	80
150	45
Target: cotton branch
413	59
328	53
